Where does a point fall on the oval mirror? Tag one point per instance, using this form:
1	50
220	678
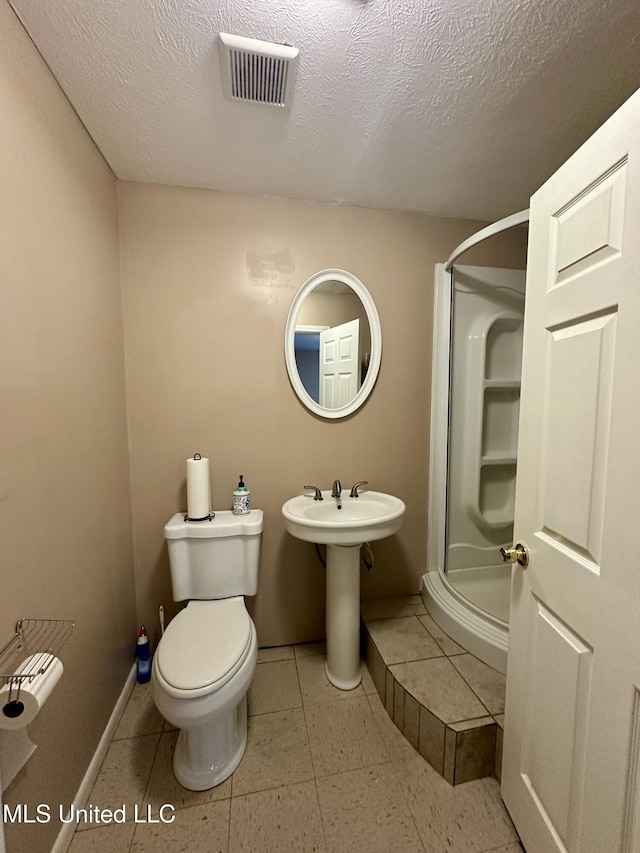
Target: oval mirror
333	343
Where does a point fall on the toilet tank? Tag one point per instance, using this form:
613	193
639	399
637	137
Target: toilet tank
214	559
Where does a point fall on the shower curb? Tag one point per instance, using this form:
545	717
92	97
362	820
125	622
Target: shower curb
459	751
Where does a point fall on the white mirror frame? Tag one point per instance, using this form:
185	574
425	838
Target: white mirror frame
376	343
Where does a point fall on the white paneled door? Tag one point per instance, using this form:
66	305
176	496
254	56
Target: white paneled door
339	364
571	770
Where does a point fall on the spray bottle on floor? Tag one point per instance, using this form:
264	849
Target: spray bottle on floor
144	658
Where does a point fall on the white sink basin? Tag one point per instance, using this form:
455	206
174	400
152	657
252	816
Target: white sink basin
345	520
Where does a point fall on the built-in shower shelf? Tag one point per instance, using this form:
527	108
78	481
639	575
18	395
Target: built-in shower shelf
494	410
508	459
501	383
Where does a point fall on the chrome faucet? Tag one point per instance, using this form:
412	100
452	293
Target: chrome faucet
354	489
336	491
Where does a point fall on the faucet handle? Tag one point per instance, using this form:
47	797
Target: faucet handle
354	489
318	493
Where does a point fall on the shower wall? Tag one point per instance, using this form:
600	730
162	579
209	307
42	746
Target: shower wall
486	355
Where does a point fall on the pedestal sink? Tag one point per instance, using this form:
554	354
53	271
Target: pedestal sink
343	524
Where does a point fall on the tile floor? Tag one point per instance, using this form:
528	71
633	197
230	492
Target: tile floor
324	770
448	704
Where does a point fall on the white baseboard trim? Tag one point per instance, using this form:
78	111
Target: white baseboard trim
66	833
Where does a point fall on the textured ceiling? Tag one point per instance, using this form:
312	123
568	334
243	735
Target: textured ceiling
454	107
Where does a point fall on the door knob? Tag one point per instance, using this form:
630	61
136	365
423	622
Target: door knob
519	554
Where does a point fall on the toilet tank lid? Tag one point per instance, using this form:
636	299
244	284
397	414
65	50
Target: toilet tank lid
224	523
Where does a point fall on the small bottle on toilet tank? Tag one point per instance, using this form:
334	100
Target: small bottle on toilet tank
241	499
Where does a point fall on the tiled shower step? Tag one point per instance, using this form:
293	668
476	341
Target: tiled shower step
446	702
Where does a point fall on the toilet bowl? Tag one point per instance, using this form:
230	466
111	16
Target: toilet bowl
205	697
205	660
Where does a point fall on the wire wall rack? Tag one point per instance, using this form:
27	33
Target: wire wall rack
32	649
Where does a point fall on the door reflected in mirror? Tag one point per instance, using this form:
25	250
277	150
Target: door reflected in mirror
332	344
332	341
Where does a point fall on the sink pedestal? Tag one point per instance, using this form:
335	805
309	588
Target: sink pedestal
343	524
343	616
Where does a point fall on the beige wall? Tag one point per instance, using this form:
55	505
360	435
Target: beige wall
208	279
65	518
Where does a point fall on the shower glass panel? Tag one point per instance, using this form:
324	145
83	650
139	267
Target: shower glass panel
484	398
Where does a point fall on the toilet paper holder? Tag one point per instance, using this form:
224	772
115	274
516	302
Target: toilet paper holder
38	639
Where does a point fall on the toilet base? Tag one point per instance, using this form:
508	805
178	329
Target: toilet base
205	756
213	726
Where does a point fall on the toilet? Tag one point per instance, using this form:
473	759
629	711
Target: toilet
205	660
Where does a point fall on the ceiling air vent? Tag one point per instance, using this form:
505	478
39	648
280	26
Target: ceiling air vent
257	71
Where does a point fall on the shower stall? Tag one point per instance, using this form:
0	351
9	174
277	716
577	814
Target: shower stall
474	433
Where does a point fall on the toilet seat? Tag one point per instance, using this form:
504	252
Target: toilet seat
204	646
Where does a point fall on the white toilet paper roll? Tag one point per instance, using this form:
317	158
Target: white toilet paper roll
198	488
33	694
